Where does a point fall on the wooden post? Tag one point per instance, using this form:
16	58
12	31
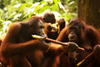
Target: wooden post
89	12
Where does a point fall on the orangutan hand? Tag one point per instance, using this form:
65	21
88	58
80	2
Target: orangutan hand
96	49
71	47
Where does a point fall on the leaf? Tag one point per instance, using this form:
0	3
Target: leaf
56	3
17	16
11	15
61	6
21	7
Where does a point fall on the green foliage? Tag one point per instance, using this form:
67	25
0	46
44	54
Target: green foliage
21	10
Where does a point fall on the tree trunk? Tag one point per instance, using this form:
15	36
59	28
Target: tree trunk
89	11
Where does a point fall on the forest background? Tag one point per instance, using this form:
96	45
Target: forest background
21	10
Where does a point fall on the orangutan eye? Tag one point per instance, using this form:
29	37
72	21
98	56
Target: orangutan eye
41	26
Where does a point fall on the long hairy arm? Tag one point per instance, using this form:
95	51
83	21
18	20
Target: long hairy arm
11	46
63	36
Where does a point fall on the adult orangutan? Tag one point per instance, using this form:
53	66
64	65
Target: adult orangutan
20	49
85	36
